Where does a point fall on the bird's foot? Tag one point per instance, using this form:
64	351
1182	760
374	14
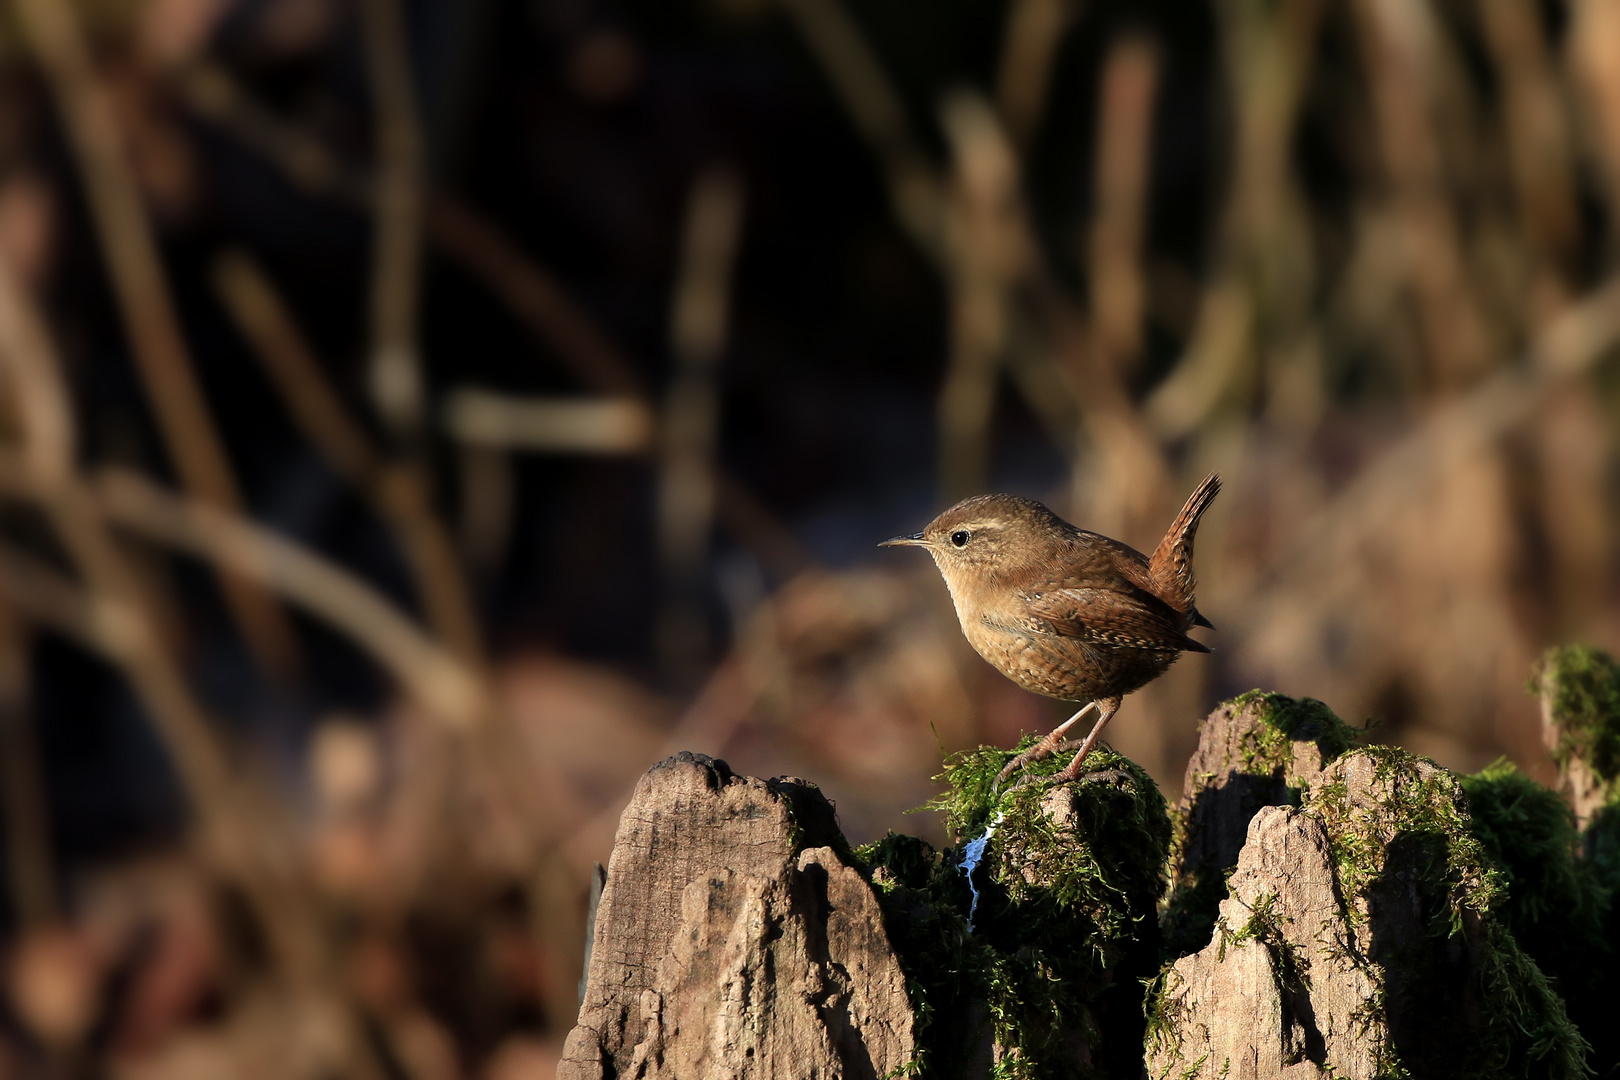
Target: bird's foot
1028	757
1052	741
1071	771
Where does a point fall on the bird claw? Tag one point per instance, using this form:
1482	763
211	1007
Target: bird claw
1028	757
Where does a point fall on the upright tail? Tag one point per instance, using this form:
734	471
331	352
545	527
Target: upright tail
1172	561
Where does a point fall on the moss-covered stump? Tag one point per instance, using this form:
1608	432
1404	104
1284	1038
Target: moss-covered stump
1560	900
737	936
733	939
1579	688
1260	749
1048	983
1363	936
1565	885
1334	909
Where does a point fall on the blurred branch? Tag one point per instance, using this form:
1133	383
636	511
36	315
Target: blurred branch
1565	350
1132	473
1403	52
1538	142
1035	32
398	492
29	865
149	317
879	115
210	92
238	831
488	497
529	291
534	296
1594	47
1124	170
981	238
445	686
111	614
117	617
687	488
549	425
291	365
396	366
986	251
44	595
1264	273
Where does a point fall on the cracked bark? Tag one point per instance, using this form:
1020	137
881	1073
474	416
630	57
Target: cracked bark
733	940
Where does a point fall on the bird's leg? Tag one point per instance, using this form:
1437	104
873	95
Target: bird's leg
1106	710
1045	746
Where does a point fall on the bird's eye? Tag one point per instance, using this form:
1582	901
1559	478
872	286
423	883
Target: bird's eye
960	537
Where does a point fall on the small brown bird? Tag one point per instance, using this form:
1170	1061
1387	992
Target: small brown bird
1067	613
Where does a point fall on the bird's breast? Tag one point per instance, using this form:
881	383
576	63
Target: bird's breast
1062	667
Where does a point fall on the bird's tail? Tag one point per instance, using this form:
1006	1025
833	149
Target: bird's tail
1172	563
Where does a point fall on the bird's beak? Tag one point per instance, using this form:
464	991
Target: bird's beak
914	540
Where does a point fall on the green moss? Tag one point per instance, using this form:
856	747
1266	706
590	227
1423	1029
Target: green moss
899	862
1600	864
1428	807
1162	1034
1526	831
1531	1035
1284	721
1416	843
1262	768
1065	928
1557	900
1585	687
1582	688
1514	910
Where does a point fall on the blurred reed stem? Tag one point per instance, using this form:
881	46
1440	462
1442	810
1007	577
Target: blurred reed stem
529	290
1404	54
1594	56
879	115
1538	147
30	867
1036	30
1123	180
396	380
139	284
985	255
399	492
687	486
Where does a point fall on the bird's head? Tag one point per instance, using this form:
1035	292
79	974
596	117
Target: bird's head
989	536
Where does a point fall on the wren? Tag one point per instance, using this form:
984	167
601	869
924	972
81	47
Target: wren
1064	612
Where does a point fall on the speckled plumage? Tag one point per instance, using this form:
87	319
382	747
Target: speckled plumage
1061	611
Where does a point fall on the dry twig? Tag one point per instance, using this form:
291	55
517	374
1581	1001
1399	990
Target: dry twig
149	317
399	492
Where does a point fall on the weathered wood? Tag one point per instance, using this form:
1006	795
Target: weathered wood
1335	911
1360	937
1286	1000
733	939
1255	751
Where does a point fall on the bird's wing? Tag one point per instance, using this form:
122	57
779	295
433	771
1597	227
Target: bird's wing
1122	616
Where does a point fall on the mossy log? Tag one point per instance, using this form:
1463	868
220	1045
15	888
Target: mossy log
1311	906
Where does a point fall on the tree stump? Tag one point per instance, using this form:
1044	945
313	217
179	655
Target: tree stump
734	939
1331	909
1362	935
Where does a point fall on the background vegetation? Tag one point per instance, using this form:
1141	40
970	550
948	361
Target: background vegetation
419	417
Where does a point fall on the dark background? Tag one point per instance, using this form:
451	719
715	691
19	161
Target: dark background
1354	256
